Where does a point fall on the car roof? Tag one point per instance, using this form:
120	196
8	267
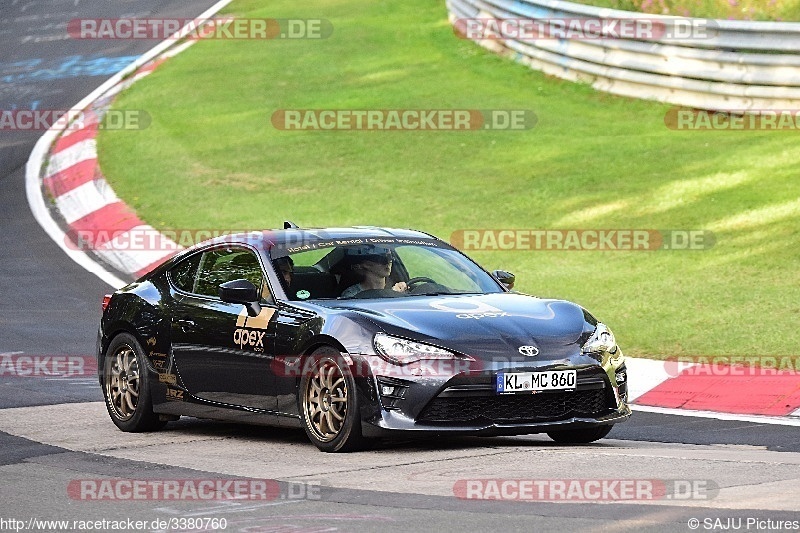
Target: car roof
269	238
292	236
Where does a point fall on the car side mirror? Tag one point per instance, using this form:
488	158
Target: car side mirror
504	277
241	291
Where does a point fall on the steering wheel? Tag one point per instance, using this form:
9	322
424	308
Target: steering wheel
420	279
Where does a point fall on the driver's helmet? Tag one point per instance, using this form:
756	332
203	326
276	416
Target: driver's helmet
368	252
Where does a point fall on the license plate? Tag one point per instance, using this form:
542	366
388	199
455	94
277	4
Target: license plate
508	382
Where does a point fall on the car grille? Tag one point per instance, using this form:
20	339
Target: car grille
516	408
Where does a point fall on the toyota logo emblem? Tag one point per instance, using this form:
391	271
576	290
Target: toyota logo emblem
530	351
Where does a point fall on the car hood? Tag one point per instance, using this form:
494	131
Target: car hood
487	325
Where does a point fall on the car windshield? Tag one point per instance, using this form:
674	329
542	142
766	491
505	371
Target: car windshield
380	268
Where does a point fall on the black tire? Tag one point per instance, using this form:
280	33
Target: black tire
328	403
126	387
580	436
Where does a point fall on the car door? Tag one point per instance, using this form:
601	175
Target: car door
221	353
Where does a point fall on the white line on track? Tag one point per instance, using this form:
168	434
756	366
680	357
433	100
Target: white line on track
757	419
40	151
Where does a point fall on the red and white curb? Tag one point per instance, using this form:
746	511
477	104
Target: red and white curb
715	391
64	163
87	202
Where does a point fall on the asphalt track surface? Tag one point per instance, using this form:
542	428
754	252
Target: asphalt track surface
53	431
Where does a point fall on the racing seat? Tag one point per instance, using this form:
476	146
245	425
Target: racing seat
347	279
318	284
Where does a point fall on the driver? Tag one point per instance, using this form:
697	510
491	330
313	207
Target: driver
371	265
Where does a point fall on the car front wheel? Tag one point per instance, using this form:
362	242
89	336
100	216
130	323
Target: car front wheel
580	436
126	388
329	404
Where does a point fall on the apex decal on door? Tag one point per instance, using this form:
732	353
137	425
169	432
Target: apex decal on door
247	333
256	322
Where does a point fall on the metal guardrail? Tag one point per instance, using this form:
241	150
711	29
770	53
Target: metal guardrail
733	65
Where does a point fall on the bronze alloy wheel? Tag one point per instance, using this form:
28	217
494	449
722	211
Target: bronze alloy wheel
328	402
325	400
126	387
122	382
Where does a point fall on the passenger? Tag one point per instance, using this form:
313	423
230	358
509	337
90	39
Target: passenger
285	267
370	265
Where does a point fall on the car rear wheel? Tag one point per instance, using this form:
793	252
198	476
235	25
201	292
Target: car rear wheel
580	436
126	388
329	404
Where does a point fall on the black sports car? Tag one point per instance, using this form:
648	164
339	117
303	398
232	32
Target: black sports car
352	334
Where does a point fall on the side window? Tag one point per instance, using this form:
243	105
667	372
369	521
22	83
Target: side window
182	275
223	265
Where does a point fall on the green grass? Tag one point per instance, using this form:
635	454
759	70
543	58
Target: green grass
212	159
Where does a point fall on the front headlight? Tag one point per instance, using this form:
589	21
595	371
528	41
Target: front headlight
602	340
403	351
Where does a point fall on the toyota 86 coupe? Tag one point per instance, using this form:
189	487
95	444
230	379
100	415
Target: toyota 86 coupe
354	334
